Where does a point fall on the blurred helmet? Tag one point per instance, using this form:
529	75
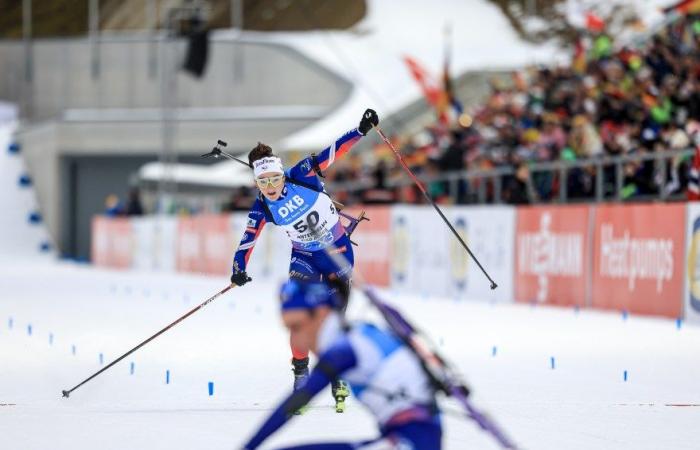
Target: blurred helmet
301	294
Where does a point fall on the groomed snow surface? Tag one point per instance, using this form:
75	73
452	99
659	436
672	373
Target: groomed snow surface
238	343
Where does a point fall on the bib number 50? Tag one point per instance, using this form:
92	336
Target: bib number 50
309	222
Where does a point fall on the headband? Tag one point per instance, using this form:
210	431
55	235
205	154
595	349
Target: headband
268	164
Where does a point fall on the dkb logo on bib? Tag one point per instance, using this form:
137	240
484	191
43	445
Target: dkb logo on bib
291	205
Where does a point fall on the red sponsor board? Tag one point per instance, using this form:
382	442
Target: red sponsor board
373	253
218	244
551	248
205	244
190	253
111	244
638	258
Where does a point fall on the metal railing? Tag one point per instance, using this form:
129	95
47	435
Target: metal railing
487	186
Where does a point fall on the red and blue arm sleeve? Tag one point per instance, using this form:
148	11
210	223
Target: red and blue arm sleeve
339	358
328	156
254	225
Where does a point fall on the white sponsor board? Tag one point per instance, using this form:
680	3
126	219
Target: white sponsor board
143	256
691	293
154	242
489	231
165	243
427	259
419	251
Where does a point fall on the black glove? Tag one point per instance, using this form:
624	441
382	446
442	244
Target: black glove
240	278
369	119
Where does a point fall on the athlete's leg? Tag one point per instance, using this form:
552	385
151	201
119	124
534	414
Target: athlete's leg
301	267
338	275
326	260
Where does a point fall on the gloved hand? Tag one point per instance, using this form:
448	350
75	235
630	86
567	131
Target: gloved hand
240	278
369	119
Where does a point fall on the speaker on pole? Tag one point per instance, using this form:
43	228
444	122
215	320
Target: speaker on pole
197	47
197	53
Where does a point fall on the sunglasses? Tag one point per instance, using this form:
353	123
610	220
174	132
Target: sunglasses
272	181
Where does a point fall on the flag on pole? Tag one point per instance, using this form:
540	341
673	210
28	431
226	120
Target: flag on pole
449	97
594	22
433	92
684	7
693	192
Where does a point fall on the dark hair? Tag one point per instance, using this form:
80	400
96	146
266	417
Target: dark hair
260	151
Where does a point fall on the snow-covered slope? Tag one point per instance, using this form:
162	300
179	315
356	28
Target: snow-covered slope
238	343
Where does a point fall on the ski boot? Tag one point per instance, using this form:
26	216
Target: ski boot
300	367
340	392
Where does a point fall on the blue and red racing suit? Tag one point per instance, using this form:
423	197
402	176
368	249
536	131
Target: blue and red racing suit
384	375
307	214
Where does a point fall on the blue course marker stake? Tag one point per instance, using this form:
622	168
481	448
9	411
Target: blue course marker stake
102	359
576	309
167	377
72	349
679	322
24	180
9	323
131	368
624	376
551	362
624	314
13	148
211	388
494	349
50	338
29	329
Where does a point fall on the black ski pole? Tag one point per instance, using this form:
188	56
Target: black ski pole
216	152
432	202
66	393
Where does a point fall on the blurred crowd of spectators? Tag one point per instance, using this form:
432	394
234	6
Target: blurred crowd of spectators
133	207
612	100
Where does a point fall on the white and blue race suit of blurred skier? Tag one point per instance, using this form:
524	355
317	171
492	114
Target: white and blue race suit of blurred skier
306	213
383	373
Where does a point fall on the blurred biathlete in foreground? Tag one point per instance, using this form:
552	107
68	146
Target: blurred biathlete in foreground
295	200
385	375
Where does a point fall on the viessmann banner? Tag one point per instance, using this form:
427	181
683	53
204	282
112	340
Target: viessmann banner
551	254
638	258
